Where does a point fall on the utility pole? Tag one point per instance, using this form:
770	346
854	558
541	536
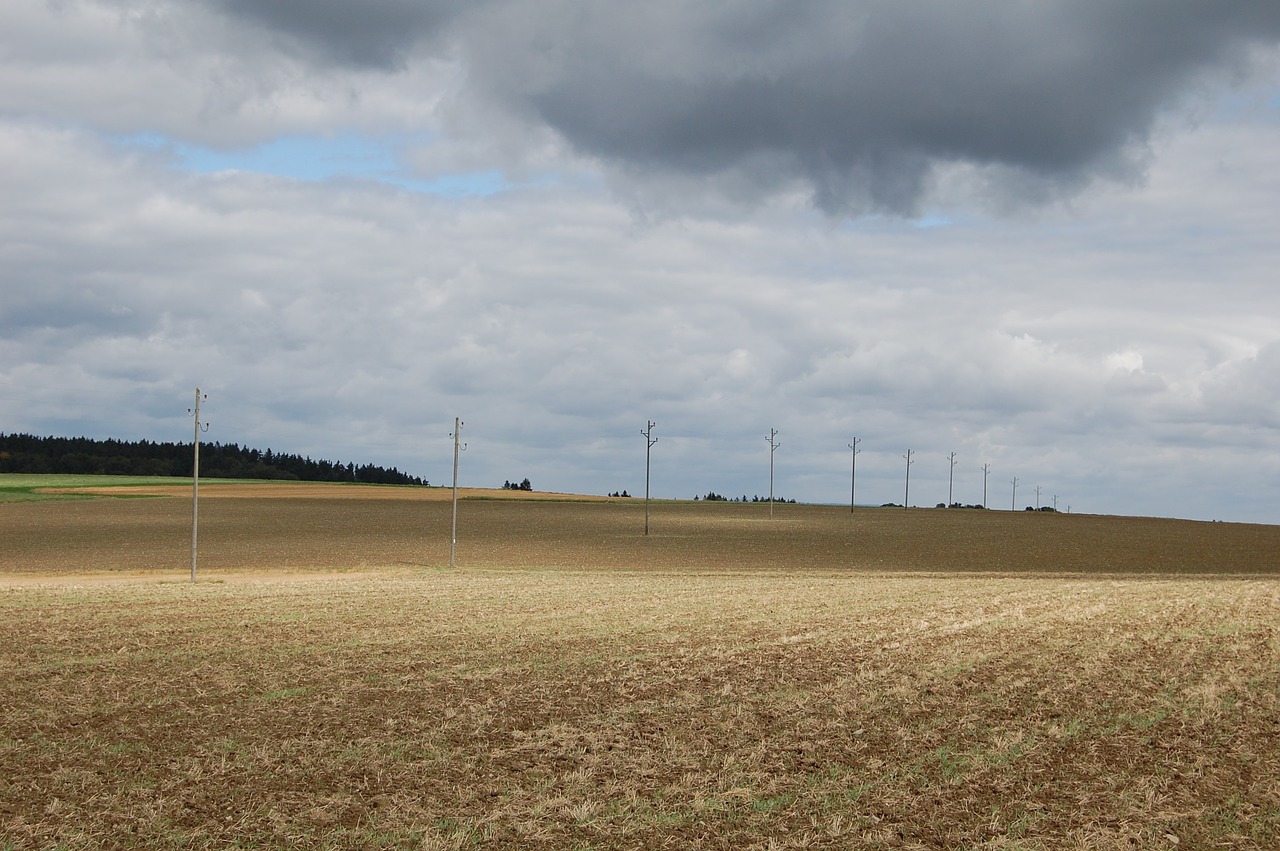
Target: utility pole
1037	497
773	447
951	477
650	440
986	471
453	534
1013	503
906	496
195	478
1055	503
853	475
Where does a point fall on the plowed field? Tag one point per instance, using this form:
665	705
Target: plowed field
890	679
273	528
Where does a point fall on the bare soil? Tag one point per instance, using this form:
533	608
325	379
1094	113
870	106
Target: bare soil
886	679
325	527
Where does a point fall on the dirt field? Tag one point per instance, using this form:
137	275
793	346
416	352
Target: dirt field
891	679
296	527
313	490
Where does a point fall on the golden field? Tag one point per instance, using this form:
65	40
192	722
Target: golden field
881	679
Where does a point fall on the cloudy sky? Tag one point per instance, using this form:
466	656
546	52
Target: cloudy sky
1041	235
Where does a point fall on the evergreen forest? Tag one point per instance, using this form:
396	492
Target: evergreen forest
25	453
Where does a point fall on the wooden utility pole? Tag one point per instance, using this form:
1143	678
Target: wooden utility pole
650	440
195	479
986	471
853	472
773	447
453	532
951	477
906	496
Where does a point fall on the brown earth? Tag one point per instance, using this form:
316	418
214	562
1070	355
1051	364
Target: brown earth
296	527
317	490
885	679
576	709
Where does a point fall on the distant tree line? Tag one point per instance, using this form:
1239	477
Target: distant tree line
712	496
525	485
25	453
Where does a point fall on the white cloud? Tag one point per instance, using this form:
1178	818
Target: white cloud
1120	349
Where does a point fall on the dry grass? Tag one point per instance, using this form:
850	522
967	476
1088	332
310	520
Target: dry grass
779	694
539	708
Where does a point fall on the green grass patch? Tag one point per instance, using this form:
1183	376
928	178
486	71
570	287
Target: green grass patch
27	487
28	481
773	803
20	494
285	694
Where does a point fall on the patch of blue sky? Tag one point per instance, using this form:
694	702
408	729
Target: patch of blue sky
321	158
301	158
890	222
1256	103
932	220
459	185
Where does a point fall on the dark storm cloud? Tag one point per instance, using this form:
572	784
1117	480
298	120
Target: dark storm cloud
862	101
868	105
371	33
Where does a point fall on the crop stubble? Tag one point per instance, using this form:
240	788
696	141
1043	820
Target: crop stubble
800	705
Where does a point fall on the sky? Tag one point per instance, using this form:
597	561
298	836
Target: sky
1039	237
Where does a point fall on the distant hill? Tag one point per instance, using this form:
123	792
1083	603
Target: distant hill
26	453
